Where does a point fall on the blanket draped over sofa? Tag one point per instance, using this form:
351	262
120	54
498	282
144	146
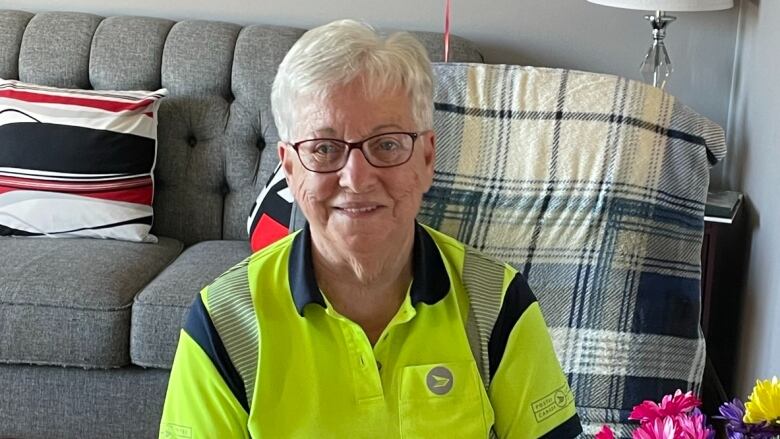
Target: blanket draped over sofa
592	185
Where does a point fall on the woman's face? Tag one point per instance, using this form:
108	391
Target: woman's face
359	208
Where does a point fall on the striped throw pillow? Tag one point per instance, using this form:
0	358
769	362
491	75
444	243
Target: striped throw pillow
77	163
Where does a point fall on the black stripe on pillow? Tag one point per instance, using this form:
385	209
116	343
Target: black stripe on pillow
147	220
9	231
62	148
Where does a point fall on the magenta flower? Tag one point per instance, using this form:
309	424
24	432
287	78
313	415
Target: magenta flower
658	428
679	403
676	417
671	405
693	426
605	433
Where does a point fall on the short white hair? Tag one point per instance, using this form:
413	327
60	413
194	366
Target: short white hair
337	53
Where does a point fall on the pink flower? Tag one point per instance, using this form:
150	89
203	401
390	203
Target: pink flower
676	417
693	426
671	405
658	428
647	411
679	403
605	433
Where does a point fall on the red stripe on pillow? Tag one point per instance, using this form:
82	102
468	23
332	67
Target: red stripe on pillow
108	105
141	195
267	232
73	186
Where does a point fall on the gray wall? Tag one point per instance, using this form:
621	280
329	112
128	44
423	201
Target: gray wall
752	168
559	33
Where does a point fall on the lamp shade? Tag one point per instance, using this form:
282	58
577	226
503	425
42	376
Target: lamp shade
668	5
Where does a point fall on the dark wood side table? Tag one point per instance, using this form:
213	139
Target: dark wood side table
723	257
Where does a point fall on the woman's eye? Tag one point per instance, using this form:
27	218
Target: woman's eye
388	144
325	148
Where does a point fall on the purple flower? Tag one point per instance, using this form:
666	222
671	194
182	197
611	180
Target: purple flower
733	412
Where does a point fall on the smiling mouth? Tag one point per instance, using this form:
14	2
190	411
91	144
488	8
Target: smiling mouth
358	210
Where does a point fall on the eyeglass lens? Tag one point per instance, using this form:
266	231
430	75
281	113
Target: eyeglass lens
382	151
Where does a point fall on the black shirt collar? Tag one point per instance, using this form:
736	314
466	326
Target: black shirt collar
430	281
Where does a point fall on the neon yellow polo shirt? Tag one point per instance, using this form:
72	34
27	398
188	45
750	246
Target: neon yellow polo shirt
263	355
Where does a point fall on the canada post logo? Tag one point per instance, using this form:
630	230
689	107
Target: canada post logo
439	380
551	403
173	431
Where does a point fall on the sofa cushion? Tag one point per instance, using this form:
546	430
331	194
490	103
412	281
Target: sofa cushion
12	26
67	301
127	53
55	49
159	310
77	163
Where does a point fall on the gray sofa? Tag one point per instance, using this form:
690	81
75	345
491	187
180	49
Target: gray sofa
88	328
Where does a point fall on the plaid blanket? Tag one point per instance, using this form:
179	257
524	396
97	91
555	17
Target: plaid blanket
593	186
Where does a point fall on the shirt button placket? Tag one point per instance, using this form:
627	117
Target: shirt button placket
369	383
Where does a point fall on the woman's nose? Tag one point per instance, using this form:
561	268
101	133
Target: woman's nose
357	174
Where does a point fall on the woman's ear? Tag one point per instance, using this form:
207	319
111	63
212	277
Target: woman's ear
286	157
429	156
430	150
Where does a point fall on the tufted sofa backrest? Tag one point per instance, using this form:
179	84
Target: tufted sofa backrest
217	138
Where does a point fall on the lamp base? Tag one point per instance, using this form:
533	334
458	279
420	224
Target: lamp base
656	68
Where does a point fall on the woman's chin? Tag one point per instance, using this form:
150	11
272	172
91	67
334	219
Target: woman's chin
367	233
364	234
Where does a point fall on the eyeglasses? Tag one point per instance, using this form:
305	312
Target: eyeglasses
381	151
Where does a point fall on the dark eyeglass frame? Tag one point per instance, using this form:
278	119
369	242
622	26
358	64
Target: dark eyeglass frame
357	145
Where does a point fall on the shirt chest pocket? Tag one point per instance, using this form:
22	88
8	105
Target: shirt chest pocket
444	399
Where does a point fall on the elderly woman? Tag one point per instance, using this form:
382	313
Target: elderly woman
358	325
